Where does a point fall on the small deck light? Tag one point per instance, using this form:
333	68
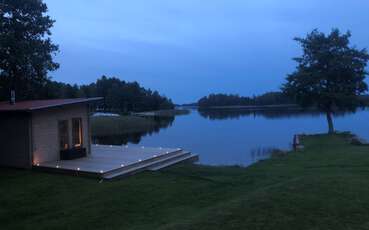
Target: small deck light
57	166
122	165
139	160
37	164
167	152
78	169
155	156
101	171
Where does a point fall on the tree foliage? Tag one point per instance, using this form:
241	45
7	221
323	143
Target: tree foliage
119	96
125	96
330	73
26	50
270	98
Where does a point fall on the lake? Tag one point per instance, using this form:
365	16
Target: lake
241	137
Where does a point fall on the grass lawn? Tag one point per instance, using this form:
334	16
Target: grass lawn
325	186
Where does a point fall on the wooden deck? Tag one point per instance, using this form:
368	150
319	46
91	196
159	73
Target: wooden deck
113	161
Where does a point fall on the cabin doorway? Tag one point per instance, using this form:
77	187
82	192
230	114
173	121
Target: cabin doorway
63	128
71	139
77	135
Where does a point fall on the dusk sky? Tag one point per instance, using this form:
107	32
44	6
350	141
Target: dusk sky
187	49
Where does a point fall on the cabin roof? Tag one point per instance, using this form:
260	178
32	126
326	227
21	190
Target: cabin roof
28	106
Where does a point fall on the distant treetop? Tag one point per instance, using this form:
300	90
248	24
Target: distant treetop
270	98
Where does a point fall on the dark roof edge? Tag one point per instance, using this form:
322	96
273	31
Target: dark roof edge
85	100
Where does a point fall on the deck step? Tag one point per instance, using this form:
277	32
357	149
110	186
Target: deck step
170	159
170	162
135	168
142	163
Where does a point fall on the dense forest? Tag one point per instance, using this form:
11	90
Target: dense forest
27	56
270	98
119	96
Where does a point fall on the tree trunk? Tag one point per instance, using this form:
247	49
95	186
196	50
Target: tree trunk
330	123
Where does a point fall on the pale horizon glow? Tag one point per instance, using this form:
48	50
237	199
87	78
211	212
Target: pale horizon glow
187	49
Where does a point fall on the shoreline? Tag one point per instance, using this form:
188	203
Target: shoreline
163	113
330	174
250	107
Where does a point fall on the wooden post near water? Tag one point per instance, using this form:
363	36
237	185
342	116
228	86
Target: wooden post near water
296	143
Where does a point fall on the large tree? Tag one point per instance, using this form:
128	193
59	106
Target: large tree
26	51
330	73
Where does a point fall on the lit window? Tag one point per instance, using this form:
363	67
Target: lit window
77	132
63	134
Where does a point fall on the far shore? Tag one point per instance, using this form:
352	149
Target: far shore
251	107
163	113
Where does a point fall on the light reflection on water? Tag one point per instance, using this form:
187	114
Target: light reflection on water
241	137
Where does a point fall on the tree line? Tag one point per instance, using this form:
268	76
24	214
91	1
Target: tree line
119	95
330	74
270	98
26	57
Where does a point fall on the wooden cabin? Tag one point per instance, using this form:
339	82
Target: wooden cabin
32	132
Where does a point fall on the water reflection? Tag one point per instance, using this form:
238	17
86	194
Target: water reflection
158	123
261	153
224	114
238	137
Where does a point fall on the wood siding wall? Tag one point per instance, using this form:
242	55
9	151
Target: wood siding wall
45	136
15	140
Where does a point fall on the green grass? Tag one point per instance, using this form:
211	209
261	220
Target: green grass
325	186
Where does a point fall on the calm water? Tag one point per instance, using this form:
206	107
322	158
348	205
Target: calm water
236	137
